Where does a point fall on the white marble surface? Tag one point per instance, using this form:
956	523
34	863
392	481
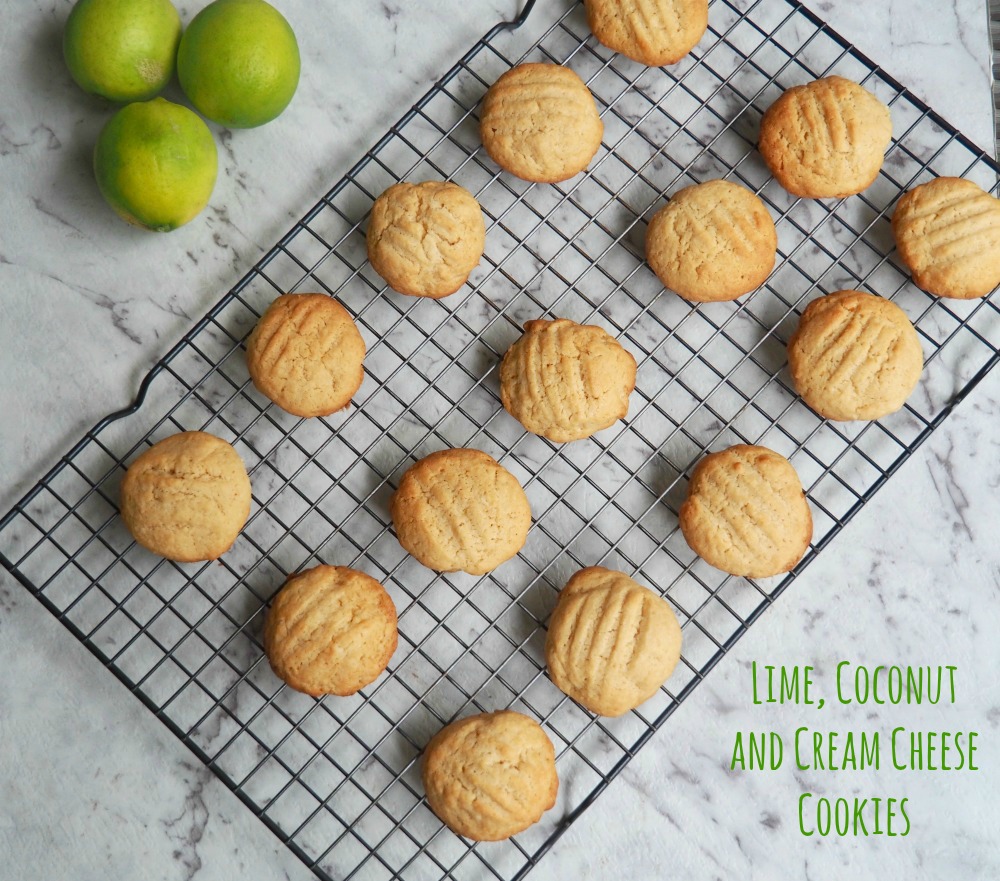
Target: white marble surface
92	786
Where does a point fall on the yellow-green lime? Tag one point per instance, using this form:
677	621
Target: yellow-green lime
238	62
156	164
123	50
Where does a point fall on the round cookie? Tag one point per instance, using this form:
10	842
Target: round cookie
424	239
948	234
826	139
746	513
187	497
540	123
565	380
652	32
459	510
611	643
330	630
490	776
712	242
306	355
854	356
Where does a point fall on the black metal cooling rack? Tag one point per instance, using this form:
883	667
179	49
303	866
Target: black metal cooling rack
336	779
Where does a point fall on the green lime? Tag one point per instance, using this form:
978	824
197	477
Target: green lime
238	62
156	164
123	50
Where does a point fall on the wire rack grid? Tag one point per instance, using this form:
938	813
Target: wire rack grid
337	779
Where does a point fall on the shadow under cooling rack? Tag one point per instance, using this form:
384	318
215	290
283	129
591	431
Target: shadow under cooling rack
337	779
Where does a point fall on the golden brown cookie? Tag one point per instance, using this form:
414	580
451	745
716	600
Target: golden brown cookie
187	497
854	356
459	510
746	513
948	234
611	643
306	354
330	630
826	139
425	239
712	242
565	380
490	776
540	123
653	32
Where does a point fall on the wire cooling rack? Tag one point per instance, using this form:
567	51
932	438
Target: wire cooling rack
337	779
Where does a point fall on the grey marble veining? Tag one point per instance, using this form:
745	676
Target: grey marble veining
93	786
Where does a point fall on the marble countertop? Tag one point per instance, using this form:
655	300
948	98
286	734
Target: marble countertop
93	786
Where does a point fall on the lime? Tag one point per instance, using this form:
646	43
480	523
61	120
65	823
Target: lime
123	50
238	62
156	163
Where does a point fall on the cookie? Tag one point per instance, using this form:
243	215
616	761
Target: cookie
611	643
565	380
459	510
490	776
652	32
712	242
540	123
330	630
306	355
187	497
948	234
826	139
424	239
854	356
746	513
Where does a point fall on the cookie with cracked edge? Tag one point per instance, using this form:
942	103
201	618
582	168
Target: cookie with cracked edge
306	355
565	381
490	776
825	139
611	642
460	510
746	512
187	497
330	630
540	123
948	235
424	239
712	242
854	356
652	32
